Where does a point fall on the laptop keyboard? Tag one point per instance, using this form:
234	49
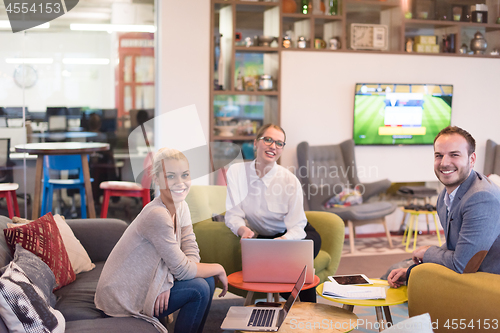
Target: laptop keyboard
261	318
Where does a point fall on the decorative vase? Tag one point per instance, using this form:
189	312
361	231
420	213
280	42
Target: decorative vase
289	6
478	43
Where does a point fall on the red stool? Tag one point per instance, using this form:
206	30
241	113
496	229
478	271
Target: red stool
122	189
8	190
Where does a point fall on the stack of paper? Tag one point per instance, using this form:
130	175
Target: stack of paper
352	292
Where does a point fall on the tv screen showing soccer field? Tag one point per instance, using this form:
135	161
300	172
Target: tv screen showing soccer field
400	114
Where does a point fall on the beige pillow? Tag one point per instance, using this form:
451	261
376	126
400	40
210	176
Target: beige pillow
80	260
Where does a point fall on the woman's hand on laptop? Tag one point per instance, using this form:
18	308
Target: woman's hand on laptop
245	232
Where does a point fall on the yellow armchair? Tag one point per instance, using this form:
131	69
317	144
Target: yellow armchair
472	298
218	244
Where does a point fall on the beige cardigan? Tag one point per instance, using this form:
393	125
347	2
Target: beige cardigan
145	262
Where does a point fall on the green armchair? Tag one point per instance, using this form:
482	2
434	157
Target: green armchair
452	298
218	244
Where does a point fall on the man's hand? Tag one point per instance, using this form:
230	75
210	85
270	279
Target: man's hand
245	232
161	303
397	277
418	254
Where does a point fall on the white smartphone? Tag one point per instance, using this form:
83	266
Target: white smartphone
351	279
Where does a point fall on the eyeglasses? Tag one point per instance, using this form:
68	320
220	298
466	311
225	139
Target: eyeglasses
269	141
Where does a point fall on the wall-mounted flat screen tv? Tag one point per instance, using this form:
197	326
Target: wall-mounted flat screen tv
400	114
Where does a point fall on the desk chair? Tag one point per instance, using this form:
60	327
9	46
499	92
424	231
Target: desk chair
7	186
59	163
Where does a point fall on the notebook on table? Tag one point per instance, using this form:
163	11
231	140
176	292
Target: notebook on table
276	260
262	319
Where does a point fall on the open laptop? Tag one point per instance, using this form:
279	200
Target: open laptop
262	319
276	260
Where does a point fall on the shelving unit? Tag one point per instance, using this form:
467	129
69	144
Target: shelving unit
266	18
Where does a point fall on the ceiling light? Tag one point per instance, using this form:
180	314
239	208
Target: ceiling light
5	24
85	61
29	60
113	27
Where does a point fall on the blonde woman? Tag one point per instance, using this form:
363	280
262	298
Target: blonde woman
155	268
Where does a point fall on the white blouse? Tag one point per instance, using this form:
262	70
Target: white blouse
272	204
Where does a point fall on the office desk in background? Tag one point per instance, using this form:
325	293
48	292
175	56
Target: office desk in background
62	148
62	136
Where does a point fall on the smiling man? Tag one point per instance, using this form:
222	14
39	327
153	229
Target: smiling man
468	208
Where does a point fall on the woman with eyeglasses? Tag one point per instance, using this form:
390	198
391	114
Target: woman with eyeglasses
268	196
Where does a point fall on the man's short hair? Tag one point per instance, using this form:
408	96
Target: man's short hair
460	131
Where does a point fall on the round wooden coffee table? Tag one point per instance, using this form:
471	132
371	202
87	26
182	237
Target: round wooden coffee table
393	297
62	148
314	317
236	280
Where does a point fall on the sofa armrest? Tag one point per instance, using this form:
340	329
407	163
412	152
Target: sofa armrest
445	294
98	236
331	229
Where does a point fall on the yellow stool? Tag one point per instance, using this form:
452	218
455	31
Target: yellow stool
414	218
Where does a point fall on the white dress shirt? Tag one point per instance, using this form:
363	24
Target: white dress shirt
272	204
448	198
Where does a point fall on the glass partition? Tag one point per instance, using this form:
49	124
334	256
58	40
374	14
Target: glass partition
82	77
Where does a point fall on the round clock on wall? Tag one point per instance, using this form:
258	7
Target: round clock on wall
25	76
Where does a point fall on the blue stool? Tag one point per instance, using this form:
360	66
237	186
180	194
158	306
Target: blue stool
59	163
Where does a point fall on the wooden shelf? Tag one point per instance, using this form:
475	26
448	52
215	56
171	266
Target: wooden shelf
237	92
368	4
267	18
234	138
256	49
257	3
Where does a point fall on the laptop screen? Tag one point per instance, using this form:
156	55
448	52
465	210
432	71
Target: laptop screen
295	291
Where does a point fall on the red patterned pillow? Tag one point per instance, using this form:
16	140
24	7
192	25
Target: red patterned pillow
42	238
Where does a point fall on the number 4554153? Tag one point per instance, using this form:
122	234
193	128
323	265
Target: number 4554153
25	8
462	324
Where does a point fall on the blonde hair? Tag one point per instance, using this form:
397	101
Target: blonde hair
165	154
263	129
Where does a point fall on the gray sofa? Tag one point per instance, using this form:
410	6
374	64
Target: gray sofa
76	300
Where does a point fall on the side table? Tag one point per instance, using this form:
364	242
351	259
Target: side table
393	297
236	280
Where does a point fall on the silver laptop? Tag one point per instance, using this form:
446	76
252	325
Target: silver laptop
276	260
262	319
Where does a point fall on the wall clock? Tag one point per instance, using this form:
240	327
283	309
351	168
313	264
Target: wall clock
368	37
25	76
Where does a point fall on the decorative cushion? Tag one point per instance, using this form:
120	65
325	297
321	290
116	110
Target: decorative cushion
42	238
79	258
5	254
37	271
23	307
347	198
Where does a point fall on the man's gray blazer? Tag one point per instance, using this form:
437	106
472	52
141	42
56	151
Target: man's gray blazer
472	225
